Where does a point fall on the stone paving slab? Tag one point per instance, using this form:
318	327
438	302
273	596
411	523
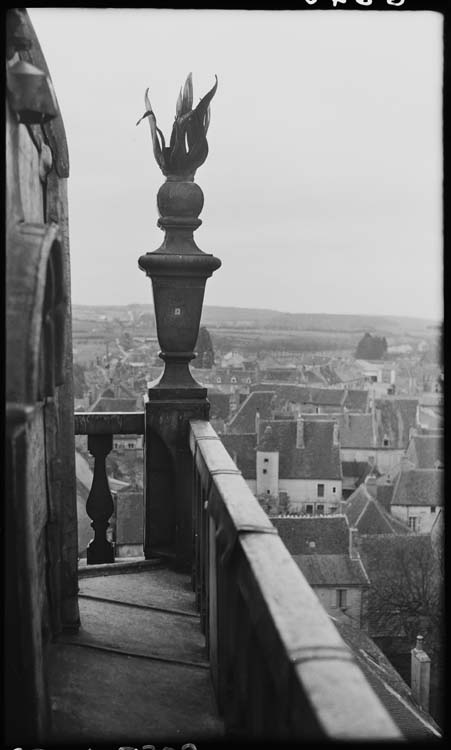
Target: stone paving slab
102	697
148	632
160	693
159	587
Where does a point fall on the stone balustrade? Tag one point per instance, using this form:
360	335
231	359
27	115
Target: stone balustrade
100	428
279	666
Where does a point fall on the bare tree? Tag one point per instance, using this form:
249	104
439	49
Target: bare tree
405	598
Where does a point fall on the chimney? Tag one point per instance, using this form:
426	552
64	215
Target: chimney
335	434
257	422
300	433
353	544
371	485
420	674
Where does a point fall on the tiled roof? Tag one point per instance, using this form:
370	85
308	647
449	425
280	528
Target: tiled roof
385	494
121	389
356	430
114	404
331	570
425	450
357	400
357	470
243	421
419	487
328	396
242	449
329	533
318	459
369	517
219	404
392	691
329	375
394	419
296	394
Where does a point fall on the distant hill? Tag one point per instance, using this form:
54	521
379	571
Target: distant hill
248	318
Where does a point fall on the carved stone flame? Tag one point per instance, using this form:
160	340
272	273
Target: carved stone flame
188	147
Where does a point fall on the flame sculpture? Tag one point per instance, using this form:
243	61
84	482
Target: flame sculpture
188	147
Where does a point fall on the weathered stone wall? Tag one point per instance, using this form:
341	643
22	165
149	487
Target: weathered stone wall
40	500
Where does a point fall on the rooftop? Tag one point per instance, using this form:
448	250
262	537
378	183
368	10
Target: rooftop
419	487
330	534
332	570
318	459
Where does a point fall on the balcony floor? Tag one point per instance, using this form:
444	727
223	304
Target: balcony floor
136	671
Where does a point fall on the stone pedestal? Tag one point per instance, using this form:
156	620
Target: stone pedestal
168	474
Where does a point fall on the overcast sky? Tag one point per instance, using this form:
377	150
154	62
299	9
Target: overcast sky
323	182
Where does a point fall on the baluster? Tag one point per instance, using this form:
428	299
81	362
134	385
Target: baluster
99	505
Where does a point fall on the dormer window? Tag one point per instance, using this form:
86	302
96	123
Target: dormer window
233	380
341	598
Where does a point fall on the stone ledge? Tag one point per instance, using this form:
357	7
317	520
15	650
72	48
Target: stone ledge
130	565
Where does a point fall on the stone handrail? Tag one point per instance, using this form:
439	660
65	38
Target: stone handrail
100	428
279	667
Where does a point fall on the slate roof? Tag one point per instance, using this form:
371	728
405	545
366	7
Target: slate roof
356	470
119	388
242	449
394	418
368	516
328	396
320	457
114	404
302	394
296	394
356	430
219	404
332	570
357	400
329	375
392	691
243	421
425	450
330	534
385	494
419	487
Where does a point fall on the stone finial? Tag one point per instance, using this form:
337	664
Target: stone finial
188	147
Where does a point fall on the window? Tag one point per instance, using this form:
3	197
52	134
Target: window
341	598
413	523
320	508
265	471
130	445
334	489
309	510
432	508
332	509
233	380
268	492
320	490
218	380
386	442
266	460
